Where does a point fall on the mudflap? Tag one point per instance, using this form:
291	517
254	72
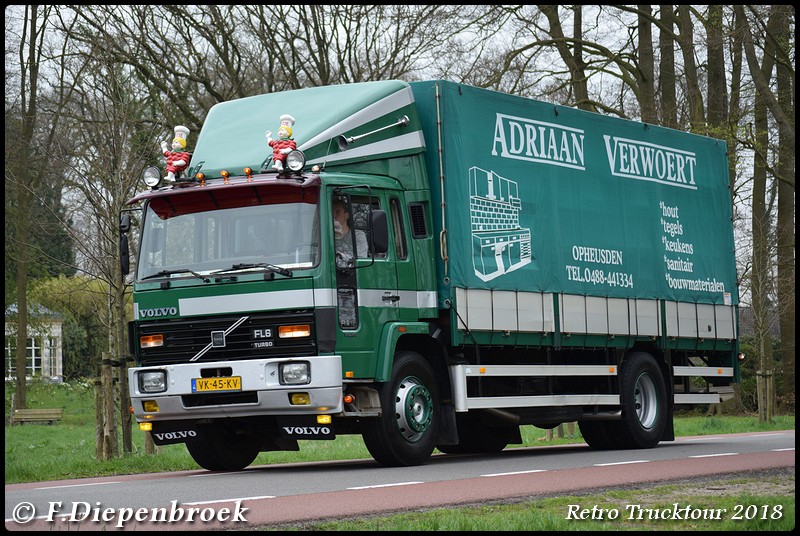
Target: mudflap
448	431
669	430
172	432
305	427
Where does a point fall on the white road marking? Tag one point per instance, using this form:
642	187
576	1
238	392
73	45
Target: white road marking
230	500
387	485
78	485
518	472
620	463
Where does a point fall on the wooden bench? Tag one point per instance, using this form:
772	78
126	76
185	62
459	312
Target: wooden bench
48	416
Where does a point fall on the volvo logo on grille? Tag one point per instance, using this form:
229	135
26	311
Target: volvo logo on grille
218	339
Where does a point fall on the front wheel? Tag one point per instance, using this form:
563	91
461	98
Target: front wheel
216	449
406	432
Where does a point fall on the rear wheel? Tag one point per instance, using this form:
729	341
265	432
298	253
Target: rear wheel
217	449
406	432
602	435
644	402
644	409
476	437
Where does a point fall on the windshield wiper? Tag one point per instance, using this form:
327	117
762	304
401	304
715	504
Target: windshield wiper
246	266
164	273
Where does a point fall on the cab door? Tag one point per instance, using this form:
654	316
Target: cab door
367	294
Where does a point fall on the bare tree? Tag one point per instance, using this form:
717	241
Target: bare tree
686	42
768	28
28	165
762	203
645	76
667	77
785	169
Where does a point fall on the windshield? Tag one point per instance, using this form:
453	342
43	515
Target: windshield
191	243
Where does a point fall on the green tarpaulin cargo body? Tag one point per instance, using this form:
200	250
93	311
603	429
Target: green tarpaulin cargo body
442	264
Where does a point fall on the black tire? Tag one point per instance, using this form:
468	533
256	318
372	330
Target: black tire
600	435
216	449
477	438
644	402
406	432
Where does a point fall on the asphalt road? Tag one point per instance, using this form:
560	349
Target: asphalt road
288	493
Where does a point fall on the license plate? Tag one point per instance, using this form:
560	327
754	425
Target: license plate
231	383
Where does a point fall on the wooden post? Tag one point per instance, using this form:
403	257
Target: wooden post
109	410
98	419
149	446
125	405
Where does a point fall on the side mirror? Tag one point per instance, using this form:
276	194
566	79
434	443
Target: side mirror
124	223
379	230
124	255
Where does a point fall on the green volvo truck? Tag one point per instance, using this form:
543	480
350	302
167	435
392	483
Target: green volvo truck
525	264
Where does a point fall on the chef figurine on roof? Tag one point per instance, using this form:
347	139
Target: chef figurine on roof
284	144
177	158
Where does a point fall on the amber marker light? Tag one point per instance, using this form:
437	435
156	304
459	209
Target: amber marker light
249	172
151	341
291	332
225	175
201	177
348	399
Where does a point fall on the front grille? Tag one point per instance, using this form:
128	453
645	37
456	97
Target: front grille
256	337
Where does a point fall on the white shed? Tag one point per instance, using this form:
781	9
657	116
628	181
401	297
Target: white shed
45	358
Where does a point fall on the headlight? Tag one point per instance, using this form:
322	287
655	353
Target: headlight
295	160
152	176
153	381
294	373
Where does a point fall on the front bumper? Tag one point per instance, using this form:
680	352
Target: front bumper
261	391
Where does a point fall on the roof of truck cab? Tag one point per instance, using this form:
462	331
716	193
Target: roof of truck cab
234	133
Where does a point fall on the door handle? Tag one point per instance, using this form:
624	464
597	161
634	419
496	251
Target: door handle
391	298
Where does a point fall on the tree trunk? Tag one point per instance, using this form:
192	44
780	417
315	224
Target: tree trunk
573	61
687	46
786	203
717	88
126	419
761	252
646	72
25	184
666	77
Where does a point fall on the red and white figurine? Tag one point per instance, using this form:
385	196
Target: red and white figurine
284	144
177	158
